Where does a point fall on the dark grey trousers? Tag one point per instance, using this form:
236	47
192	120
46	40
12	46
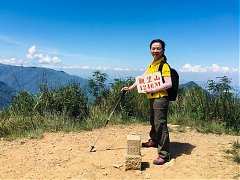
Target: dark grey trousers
159	130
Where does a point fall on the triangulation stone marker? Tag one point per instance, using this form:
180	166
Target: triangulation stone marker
133	157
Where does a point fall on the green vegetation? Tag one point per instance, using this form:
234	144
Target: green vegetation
215	110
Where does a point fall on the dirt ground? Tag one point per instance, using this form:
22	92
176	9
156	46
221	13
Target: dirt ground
67	156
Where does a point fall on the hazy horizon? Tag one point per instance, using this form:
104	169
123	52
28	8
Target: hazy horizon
200	78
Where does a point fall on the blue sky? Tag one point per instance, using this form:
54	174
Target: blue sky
202	37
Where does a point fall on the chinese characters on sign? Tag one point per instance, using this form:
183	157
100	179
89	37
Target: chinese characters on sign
148	82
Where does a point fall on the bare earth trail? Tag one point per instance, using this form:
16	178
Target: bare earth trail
67	156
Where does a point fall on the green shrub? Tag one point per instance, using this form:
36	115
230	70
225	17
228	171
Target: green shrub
215	110
132	104
67	101
22	104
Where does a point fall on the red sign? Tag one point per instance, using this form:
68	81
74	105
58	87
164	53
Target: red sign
148	82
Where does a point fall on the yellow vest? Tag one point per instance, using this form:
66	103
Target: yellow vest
153	67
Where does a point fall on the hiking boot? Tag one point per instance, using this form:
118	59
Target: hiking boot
150	143
159	161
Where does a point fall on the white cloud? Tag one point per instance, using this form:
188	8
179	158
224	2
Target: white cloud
31	51
86	67
235	69
121	69
213	68
101	68
192	68
12	61
33	54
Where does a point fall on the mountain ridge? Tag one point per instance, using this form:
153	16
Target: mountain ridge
30	78
6	94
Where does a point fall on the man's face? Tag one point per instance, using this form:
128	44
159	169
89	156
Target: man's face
156	50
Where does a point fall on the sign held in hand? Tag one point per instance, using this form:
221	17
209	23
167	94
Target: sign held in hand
148	82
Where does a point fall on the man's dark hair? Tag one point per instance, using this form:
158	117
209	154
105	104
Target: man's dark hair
163	46
158	41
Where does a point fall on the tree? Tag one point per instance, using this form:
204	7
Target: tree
224	105
97	86
220	88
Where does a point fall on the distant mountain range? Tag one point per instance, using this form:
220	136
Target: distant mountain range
30	78
6	94
16	78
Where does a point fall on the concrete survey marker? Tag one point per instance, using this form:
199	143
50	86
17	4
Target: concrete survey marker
133	144
133	158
